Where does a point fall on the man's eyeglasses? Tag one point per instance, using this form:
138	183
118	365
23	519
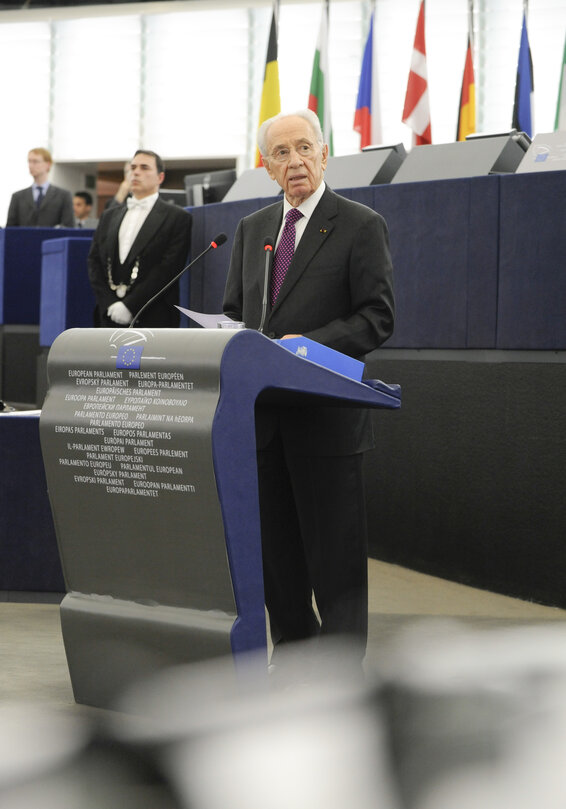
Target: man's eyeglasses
283	154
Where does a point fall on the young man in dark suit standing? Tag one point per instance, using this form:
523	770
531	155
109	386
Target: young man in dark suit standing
137	248
331	282
42	205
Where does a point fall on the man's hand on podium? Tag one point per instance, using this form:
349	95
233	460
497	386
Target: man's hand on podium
119	313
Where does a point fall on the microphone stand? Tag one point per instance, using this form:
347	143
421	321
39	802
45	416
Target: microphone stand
216	242
268	247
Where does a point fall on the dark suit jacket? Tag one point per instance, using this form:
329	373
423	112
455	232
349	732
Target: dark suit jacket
337	291
56	209
161	249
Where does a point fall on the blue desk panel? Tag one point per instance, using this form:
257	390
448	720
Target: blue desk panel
444	247
478	262
532	262
444	243
208	276
29	559
20	271
67	300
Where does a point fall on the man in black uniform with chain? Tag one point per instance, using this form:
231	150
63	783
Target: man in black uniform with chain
137	248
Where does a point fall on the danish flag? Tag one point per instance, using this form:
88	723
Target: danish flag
416	112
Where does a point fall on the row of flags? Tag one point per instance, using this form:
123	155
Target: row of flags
416	109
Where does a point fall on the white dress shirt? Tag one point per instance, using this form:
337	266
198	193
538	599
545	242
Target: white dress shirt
138	210
306	208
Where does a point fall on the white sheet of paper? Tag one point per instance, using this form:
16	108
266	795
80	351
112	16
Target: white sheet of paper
206	321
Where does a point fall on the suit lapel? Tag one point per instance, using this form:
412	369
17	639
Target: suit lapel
113	229
319	228
48	195
28	197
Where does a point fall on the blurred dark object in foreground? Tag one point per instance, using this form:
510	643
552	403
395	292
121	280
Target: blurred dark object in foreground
473	719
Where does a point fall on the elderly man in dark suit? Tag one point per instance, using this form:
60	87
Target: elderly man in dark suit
331	282
42	205
137	248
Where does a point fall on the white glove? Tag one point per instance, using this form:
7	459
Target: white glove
119	313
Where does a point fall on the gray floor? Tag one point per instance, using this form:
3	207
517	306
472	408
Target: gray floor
32	658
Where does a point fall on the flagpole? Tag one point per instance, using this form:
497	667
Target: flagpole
376	130
477	88
327	114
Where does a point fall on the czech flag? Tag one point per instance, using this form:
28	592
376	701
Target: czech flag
366	117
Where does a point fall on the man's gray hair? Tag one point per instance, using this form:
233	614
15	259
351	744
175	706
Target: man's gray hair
309	116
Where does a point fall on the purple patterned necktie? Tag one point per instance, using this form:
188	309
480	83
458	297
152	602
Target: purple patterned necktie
284	252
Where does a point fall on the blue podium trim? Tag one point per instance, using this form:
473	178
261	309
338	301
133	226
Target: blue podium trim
251	363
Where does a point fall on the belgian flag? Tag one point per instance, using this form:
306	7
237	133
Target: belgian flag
270	94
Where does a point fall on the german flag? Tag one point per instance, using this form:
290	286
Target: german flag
467	111
270	94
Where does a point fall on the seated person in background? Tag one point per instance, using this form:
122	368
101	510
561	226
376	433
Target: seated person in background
82	207
137	248
42	205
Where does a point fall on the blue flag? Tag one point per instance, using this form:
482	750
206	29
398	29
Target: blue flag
524	86
129	357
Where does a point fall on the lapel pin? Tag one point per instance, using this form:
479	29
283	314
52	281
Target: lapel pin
323	230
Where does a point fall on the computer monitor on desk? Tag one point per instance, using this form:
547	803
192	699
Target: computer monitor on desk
175	196
209	186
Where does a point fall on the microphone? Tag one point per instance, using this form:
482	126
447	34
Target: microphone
216	242
268	247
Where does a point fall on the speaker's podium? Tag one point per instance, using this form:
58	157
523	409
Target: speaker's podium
148	440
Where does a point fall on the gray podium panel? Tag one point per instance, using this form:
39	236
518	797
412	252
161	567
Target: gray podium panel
547	152
131	481
499	154
251	184
372	167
